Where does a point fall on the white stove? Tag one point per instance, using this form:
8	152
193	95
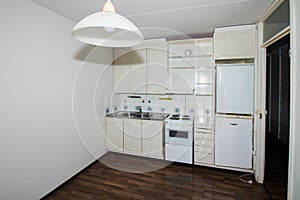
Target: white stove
179	138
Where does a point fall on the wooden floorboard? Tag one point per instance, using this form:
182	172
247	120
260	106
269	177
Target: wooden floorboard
169	181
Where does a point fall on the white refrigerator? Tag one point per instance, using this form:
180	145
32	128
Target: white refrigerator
234	110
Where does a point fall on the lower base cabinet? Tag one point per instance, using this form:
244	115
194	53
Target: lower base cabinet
132	136
152	139
203	144
138	137
114	134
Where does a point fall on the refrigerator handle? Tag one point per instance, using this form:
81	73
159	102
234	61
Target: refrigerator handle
233	124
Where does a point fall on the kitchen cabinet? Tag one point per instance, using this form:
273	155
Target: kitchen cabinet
152	139
157	71
191	66
122	75
236	42
138	69
181	64
132	136
205	74
114	134
203	143
141	69
233	142
182	81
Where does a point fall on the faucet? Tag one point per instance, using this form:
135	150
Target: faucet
139	109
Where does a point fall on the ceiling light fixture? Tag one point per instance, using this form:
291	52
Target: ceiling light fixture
107	29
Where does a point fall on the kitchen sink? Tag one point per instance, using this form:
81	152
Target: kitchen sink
138	115
141	115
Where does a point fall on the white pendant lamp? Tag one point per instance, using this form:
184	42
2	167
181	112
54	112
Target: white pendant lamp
107	29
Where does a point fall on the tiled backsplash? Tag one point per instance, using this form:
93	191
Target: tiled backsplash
181	104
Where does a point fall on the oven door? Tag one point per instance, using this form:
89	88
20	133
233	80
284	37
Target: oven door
179	136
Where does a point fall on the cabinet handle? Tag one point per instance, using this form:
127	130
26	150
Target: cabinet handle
233	124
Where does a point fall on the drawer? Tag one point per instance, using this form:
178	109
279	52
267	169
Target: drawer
205	120
204	149
204	136
206	143
203	130
205	158
203	126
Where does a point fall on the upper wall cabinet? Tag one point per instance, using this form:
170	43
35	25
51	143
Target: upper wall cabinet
157	71
122	74
191	66
138	69
237	42
141	69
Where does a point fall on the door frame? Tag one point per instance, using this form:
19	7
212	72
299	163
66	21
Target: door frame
294	161
260	106
259	124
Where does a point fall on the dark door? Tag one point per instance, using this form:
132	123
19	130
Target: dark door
277	119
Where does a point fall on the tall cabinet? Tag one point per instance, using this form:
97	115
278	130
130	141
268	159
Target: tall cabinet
235	52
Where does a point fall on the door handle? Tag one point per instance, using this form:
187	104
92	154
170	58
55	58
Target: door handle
233	124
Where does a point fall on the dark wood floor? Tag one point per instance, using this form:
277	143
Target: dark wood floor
174	181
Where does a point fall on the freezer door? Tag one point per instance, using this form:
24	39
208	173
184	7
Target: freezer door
234	89
233	142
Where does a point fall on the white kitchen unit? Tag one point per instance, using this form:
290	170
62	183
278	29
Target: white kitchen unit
179	153
233	142
182	80
181	63
142	69
203	143
114	134
157	71
205	75
138	71
236	42
133	136
122	76
235	89
152	138
191	66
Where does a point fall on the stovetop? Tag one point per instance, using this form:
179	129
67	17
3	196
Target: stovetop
179	117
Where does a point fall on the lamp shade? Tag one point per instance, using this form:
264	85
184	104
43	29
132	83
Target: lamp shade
107	29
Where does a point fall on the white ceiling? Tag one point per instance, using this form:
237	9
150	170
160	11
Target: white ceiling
165	18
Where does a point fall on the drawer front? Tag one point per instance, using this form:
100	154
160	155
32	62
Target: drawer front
205	158
206	143
203	127
205	121
204	149
204	135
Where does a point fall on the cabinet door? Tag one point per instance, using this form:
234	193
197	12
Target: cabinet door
157	72
133	136
114	134
182	81
121	70
235	89
235	42
233	142
152	139
138	69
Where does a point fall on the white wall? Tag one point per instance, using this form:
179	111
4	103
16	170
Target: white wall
294	162
39	145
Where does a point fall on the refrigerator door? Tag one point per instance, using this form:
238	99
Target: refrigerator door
234	89
233	142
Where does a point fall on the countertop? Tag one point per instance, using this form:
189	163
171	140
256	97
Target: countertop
136	115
